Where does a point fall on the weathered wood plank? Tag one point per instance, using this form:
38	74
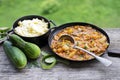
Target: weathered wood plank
92	70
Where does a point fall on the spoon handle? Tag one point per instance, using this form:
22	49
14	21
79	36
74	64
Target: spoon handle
106	62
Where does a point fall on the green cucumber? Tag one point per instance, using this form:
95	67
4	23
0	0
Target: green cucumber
31	50
16	56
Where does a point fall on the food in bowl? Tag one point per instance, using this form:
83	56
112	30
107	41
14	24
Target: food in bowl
31	28
85	37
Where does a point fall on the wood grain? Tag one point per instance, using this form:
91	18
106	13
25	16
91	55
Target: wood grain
92	70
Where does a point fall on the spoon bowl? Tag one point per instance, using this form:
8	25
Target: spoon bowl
66	37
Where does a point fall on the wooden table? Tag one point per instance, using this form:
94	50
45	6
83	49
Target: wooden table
92	70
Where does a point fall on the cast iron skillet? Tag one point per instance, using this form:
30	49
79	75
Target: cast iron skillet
59	28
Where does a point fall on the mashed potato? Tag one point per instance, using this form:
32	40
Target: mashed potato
31	28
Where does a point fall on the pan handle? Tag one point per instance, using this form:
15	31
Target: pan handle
55	26
53	23
114	52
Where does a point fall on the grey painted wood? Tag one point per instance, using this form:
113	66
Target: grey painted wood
92	70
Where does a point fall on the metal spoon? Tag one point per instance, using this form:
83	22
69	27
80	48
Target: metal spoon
104	61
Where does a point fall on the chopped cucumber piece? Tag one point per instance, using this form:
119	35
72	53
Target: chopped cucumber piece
45	65
50	59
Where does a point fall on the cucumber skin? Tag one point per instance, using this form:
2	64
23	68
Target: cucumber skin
16	56
31	50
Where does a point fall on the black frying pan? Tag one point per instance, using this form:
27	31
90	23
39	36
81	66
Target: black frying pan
59	28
